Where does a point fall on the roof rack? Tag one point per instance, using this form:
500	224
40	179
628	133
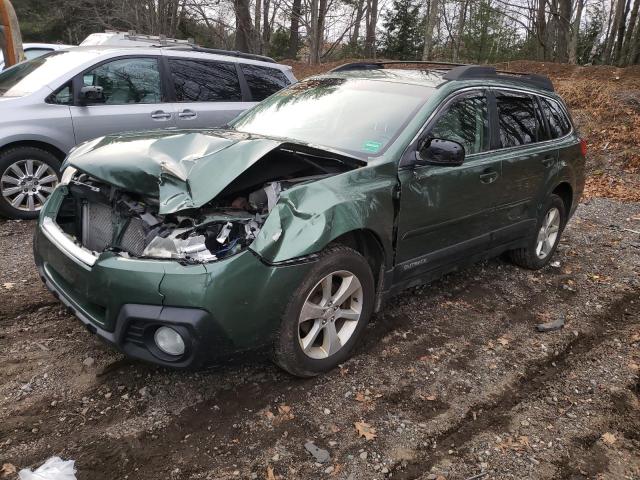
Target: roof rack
380	65
459	71
481	72
229	53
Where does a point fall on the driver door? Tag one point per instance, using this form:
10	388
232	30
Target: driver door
445	211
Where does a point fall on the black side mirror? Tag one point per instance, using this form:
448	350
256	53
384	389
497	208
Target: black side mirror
437	151
91	94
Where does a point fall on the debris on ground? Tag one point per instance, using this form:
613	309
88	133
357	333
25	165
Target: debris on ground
320	454
551	326
53	469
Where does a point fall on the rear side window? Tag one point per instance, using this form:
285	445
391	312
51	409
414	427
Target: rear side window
263	81
205	81
127	80
559	124
465	121
517	119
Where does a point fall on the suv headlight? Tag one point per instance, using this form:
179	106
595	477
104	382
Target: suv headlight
67	175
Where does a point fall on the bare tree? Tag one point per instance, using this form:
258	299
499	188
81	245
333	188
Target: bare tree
432	18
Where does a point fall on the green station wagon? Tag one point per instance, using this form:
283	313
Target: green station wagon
289	228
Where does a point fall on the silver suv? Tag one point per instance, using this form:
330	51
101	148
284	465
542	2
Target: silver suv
52	103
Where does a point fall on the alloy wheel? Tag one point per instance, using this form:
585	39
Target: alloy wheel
330	314
548	233
26	184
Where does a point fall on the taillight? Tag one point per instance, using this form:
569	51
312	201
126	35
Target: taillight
583	147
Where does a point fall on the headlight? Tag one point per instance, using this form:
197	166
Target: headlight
67	175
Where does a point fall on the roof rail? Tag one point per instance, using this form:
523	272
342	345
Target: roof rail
380	64
229	53
482	72
459	71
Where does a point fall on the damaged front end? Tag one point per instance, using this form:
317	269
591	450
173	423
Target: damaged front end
101	216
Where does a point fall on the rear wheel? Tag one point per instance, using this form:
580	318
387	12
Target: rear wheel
327	314
28	175
541	247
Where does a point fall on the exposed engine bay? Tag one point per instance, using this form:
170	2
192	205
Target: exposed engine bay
101	217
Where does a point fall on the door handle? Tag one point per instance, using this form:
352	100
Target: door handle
548	161
488	176
187	114
160	115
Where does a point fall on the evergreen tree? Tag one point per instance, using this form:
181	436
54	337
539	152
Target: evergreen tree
402	37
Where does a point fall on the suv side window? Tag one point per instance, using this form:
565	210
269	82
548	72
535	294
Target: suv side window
517	119
205	81
465	121
559	124
263	81
127	80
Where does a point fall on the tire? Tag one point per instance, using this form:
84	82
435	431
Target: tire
15	166
531	256
343	265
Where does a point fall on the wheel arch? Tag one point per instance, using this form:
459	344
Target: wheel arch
565	191
55	151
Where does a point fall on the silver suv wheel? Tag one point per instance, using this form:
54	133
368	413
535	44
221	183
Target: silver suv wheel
26	184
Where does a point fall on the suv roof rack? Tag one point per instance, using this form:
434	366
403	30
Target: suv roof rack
459	71
229	53
482	72
380	65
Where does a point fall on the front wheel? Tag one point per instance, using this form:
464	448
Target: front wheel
541	247
28	175
327	314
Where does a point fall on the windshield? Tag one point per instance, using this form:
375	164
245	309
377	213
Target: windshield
27	77
362	117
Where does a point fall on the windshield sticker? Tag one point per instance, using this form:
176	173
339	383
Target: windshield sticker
371	146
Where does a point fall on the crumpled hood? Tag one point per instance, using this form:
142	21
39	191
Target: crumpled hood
183	169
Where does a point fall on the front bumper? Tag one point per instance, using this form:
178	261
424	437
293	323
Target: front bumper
219	308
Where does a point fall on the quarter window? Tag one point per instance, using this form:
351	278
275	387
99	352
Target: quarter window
128	80
559	124
263	81
62	96
466	121
205	81
518	122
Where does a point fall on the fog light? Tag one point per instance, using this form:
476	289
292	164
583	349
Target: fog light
169	341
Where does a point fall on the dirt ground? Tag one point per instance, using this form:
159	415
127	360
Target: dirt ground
453	380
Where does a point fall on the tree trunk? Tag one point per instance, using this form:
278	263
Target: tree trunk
628	37
575	30
353	41
461	22
634	54
244	29
372	21
552	32
314	56
432	17
541	30
322	13
266	25
258	27
294	35
610	44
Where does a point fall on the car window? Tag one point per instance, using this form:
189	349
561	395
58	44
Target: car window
517	119
559	124
465	121
35	52
62	96
205	81
127	80
263	81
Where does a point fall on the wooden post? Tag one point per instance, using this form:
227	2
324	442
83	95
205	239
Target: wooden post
11	40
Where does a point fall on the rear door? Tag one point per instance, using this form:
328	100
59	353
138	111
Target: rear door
133	98
529	162
445	211
208	93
